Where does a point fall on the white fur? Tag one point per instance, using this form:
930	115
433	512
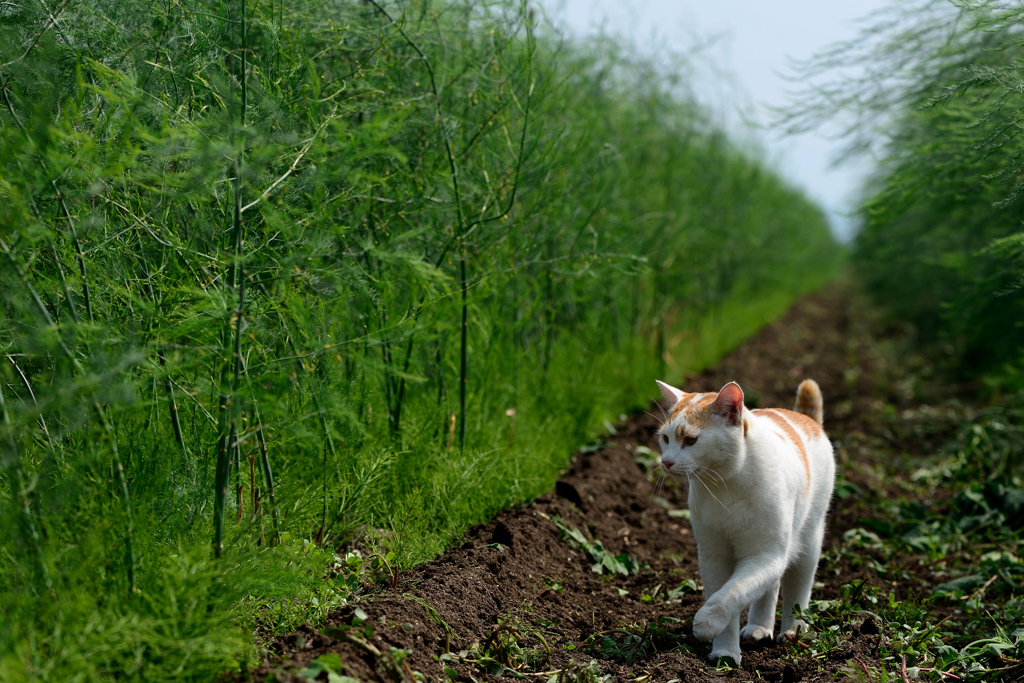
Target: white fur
758	522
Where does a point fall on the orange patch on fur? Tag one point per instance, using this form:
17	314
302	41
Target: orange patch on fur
694	406
809	401
806	424
698	413
690	403
782	420
704	401
680	433
680	406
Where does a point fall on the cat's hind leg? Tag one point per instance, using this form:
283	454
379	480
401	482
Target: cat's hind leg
761	616
796	590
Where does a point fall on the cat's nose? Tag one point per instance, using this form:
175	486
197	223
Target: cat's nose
667	462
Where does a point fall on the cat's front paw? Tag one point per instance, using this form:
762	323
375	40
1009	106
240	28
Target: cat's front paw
793	630
755	633
710	621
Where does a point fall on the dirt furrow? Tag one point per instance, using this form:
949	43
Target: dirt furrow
520	597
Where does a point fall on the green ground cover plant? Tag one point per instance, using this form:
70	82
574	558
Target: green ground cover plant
957	557
280	278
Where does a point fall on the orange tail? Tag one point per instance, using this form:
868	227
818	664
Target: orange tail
809	402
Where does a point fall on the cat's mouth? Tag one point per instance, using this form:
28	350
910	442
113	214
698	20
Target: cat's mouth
673	470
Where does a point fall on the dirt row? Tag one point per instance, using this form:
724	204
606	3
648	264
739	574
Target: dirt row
518	594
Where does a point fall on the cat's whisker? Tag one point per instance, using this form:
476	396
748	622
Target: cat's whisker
660	486
657	472
647	473
716	477
656	487
710	492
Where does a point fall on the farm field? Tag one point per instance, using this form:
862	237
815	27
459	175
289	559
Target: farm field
329	331
903	581
280	279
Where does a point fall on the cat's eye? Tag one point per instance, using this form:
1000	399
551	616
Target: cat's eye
664	438
690	440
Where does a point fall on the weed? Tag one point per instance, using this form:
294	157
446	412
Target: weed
331	665
985	645
449	632
502	651
623	563
580	673
390	662
382	563
635	642
684	588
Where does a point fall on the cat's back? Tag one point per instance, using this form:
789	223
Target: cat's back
801	438
798	428
804	423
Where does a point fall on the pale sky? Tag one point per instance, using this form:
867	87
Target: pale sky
741	72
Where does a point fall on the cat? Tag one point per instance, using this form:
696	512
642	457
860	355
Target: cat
760	488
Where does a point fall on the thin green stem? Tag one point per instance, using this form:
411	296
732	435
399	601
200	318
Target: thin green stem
32	395
228	448
328	448
12	462
122	483
179	437
63	282
238	274
463	361
268	476
78	250
222	473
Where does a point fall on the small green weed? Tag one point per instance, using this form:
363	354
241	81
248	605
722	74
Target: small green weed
503	651
623	563
391	662
635	642
645	457
580	673
329	663
686	587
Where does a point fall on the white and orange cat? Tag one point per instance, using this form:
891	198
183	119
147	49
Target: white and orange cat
760	487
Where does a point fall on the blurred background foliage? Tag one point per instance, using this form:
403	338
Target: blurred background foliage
932	90
284	277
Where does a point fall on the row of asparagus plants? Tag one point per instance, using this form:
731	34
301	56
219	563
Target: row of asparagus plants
281	278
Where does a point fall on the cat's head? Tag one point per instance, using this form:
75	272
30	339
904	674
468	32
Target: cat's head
703	430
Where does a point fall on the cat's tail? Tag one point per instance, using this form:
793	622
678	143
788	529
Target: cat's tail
809	402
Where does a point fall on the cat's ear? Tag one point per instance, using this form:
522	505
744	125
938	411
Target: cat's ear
729	403
671	394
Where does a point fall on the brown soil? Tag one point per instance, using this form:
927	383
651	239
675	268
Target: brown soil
517	570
